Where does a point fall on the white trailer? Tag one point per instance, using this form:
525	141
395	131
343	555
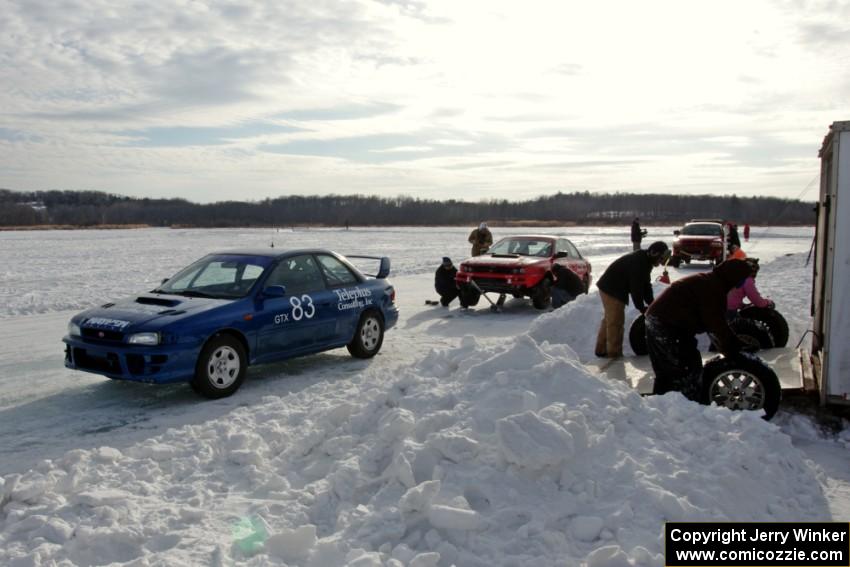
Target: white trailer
829	372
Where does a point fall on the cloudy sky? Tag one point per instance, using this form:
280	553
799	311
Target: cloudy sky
445	98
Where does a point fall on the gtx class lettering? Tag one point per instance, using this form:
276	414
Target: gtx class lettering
302	308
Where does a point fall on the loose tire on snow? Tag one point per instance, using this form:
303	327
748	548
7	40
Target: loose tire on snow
776	323
741	382
541	295
368	337
752	332
221	367
637	336
469	296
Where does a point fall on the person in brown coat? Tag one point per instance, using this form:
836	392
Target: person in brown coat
692	305
481	239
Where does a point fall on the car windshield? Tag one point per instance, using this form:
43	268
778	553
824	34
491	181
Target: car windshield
218	277
702	229
523	247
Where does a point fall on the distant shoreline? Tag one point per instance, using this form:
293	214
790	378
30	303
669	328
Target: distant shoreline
495	224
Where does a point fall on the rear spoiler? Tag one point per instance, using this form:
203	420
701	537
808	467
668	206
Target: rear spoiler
384	268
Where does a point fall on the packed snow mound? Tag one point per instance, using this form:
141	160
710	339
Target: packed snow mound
477	455
559	326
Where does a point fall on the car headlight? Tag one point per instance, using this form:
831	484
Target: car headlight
144	339
74	329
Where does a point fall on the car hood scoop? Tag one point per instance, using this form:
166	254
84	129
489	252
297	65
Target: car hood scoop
147	300
172	312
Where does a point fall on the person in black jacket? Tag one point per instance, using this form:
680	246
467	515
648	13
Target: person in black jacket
628	275
567	286
444	282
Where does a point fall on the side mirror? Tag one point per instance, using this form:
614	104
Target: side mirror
384	270
163	281
274	291
676	232
561	254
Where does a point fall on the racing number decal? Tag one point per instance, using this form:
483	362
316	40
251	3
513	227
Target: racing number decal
301	308
298	309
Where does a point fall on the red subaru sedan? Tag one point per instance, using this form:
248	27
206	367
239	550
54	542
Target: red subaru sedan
522	267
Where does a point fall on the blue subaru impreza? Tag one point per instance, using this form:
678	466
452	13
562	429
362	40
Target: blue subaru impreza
206	324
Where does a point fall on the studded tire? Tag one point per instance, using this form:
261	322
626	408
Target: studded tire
752	332
541	295
774	320
221	367
469	296
368	337
741	382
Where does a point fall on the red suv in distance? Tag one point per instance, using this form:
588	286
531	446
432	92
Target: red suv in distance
701	239
520	266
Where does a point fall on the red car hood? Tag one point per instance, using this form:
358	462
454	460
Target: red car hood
488	260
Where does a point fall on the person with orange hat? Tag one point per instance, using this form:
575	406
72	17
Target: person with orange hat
736	253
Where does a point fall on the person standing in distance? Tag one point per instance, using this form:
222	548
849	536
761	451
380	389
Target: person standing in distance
637	234
628	275
481	239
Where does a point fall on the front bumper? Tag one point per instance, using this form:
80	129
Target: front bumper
500	283
161	364
699	254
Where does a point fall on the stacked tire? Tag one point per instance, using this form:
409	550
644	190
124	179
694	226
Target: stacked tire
757	327
741	382
772	319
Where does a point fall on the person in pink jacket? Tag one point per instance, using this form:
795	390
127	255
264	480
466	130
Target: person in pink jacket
747	290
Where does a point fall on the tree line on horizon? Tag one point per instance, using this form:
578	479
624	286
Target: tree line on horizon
95	208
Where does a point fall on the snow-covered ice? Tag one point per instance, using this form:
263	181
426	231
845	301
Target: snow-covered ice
474	438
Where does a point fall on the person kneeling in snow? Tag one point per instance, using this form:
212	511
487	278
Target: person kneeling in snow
691	305
444	282
567	286
748	290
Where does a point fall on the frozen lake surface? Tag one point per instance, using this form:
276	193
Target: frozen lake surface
337	458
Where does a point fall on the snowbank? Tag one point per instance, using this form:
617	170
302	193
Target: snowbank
476	455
